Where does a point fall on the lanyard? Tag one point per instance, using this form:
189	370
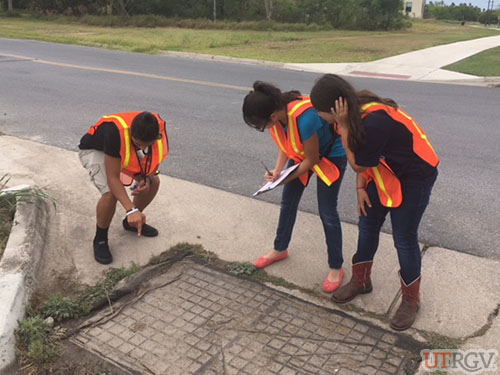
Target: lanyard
149	158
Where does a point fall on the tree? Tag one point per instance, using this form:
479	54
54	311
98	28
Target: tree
10	7
488	18
461	12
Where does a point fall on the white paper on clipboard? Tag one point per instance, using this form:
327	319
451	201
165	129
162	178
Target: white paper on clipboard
274	184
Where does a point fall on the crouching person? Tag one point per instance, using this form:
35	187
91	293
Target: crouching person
120	150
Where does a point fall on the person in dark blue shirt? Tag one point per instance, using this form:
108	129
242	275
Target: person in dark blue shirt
302	137
396	170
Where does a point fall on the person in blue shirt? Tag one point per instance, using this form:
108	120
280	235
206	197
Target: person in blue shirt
302	137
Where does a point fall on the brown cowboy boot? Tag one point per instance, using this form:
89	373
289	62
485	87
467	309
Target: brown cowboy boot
410	303
360	282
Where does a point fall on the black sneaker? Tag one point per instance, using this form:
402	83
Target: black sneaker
102	253
147	230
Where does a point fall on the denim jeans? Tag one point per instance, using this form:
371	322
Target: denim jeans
405	220
327	205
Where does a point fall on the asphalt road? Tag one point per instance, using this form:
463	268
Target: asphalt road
52	93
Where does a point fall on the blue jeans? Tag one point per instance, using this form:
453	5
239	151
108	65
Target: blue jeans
405	220
327	204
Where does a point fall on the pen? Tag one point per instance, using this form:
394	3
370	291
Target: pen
267	170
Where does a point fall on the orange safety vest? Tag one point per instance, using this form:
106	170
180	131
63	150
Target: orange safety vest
291	144
131	166
386	181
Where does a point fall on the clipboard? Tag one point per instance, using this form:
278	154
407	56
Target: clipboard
271	185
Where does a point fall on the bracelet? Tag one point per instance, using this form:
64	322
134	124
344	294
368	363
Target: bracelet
132	211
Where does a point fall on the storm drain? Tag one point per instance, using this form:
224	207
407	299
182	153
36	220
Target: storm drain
198	320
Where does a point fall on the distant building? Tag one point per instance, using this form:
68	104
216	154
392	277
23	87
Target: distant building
414	8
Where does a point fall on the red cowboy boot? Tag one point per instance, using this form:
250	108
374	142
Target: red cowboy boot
410	303
360	282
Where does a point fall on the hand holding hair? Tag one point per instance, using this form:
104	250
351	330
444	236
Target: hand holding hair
341	113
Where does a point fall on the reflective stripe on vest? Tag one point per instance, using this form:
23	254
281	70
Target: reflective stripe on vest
297	109
293	147
130	163
125	129
388	185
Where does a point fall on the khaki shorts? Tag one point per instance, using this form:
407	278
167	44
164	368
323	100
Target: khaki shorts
93	162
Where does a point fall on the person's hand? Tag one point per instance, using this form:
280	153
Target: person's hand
340	114
137	219
144	186
363	199
272	176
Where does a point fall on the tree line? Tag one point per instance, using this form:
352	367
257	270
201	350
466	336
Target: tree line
461	12
344	14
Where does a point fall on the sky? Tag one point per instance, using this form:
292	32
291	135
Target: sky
478	3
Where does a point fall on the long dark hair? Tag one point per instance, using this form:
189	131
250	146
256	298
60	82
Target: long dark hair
265	99
366	96
329	88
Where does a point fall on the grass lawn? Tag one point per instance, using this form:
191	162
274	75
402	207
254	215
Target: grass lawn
306	47
485	64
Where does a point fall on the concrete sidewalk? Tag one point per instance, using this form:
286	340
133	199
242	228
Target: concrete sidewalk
420	65
424	65
461	292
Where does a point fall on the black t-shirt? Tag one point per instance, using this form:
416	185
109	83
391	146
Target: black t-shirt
106	138
388	138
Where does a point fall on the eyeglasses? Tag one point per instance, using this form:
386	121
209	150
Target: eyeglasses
257	123
261	126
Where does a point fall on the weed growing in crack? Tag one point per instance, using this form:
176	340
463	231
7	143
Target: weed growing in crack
60	308
244	268
34	342
102	290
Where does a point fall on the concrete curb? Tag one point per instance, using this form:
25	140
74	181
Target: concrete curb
19	269
227	59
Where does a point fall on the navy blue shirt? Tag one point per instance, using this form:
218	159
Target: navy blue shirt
388	138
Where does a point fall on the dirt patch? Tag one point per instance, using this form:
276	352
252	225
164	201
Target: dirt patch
73	361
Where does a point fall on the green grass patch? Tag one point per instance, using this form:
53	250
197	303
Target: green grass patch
9	199
484	64
34	341
239	269
101	290
299	45
5	226
186	248
60	308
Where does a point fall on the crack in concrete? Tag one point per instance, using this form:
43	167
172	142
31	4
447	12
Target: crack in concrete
484	329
